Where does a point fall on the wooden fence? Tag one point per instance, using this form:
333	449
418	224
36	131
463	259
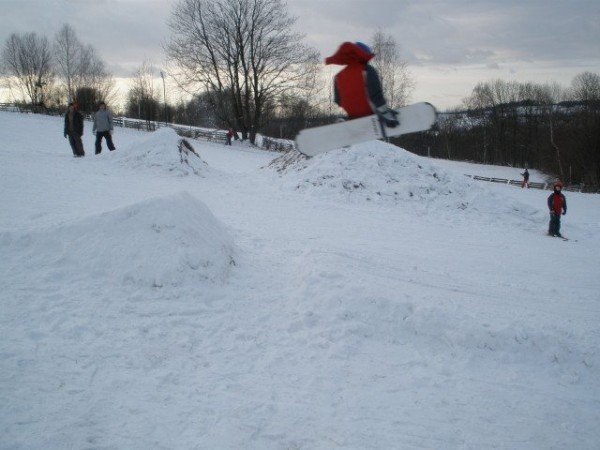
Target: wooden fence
206	134
124	122
537	185
266	143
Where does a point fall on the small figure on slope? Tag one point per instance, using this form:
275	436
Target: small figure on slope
229	136
557	204
357	87
525	179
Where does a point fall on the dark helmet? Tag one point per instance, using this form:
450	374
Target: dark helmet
364	47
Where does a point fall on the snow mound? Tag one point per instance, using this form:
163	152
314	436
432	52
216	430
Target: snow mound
158	242
164	148
382	173
373	171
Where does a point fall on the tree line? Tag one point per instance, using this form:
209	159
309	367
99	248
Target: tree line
50	73
548	127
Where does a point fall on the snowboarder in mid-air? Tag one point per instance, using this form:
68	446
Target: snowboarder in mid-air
357	87
557	204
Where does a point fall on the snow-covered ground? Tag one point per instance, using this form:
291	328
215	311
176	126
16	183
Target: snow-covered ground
363	299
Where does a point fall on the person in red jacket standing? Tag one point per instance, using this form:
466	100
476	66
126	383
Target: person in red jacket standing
357	87
525	179
229	136
557	204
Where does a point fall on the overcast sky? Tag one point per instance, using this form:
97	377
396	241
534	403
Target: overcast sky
450	45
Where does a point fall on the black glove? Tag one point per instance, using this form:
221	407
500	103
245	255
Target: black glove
389	116
65	134
564	213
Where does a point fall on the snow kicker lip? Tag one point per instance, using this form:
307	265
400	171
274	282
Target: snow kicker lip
162	241
165	149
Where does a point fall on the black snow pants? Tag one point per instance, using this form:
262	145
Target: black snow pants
76	144
106	135
554	228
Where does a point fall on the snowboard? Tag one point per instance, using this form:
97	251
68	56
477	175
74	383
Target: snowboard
412	118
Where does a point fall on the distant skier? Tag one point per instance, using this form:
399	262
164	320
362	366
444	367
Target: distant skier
357	87
525	179
74	129
103	128
229	136
557	204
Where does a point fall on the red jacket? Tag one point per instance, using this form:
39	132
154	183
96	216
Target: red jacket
557	203
357	87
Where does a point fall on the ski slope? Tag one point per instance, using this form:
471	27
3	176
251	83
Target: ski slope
366	298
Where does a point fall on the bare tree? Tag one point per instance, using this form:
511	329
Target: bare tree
296	108
586	87
241	52
395	79
547	96
27	57
80	68
94	75
309	86
495	94
67	53
142	100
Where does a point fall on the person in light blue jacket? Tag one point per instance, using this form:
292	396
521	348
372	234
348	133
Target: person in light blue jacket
103	127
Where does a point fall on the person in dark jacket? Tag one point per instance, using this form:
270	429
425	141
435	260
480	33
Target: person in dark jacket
74	129
557	204
103	127
357	87
525	179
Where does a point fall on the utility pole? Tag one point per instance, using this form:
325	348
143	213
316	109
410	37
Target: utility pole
162	75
